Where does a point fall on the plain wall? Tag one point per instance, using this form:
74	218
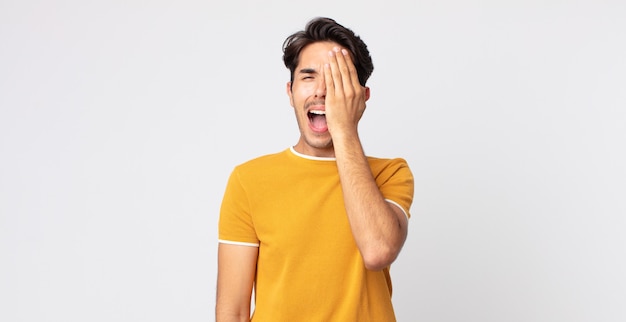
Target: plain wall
120	122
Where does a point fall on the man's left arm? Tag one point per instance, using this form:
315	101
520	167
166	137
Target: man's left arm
379	227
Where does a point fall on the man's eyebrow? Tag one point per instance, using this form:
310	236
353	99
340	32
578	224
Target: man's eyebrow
307	71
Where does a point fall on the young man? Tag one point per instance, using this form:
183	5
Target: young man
314	228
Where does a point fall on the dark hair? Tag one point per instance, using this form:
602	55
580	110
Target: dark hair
326	29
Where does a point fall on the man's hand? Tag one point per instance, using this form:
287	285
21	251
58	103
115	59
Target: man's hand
345	97
379	228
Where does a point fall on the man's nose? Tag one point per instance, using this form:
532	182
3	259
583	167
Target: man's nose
320	89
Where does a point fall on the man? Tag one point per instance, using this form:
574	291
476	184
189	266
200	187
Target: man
314	228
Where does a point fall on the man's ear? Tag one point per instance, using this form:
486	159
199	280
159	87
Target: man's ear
288	89
367	93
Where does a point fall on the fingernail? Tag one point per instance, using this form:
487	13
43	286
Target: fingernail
343	51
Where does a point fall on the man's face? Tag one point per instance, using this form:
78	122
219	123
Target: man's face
307	94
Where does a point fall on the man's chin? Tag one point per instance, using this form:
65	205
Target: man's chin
320	143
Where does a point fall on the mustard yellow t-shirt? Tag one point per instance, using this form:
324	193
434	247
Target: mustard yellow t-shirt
309	267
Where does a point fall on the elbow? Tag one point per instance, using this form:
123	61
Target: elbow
227	317
379	253
224	313
376	260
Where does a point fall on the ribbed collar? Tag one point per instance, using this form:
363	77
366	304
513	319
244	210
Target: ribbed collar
308	157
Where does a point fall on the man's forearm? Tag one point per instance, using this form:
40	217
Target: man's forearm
375	224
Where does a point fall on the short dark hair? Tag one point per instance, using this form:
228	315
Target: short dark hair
326	29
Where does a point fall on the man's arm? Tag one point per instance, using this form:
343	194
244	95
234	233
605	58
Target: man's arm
379	228
236	267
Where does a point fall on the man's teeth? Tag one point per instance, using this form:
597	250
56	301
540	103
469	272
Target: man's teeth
318	112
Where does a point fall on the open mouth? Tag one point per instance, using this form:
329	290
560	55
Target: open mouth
317	119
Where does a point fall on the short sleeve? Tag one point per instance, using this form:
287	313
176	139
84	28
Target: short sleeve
395	181
235	222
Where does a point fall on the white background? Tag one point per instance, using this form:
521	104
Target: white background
120	122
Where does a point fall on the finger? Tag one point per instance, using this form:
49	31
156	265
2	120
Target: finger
354	76
347	70
334	56
328	80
